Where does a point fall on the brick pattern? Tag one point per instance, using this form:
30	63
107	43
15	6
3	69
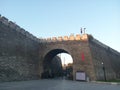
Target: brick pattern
22	55
111	59
75	49
18	55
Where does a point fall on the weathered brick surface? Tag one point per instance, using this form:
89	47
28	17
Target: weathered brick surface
110	58
95	53
75	49
18	55
25	57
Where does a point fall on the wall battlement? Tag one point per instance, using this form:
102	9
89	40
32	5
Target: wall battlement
105	46
76	37
14	26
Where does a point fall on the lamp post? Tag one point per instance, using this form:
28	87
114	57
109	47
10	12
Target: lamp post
103	67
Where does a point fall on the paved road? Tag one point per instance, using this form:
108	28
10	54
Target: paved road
55	85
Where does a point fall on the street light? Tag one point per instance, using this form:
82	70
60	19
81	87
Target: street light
103	67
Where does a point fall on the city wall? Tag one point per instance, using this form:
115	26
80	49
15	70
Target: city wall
17	28
19	52
106	60
76	37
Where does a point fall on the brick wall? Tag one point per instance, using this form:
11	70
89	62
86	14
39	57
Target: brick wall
18	55
22	54
110	59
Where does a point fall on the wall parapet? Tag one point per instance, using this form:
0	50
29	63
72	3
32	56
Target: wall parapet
76	37
105	46
14	26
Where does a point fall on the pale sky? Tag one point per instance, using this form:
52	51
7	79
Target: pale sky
65	58
47	18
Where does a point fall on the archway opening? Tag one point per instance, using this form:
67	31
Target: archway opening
58	63
67	65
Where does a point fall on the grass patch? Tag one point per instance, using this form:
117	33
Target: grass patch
117	81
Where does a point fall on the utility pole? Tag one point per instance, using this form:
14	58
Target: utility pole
64	62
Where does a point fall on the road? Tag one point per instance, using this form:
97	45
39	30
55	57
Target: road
56	85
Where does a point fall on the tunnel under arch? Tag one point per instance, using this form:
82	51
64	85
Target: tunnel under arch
48	60
49	56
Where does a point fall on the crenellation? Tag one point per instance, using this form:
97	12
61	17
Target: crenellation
4	20
71	37
68	38
60	38
48	39
18	28
23	31
38	40
42	40
54	38
84	37
12	25
26	34
114	51
65	38
78	37
32	37
105	46
99	43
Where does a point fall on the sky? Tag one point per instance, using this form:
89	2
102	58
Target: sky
65	58
49	18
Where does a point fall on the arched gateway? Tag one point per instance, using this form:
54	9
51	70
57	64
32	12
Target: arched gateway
90	57
77	48
25	57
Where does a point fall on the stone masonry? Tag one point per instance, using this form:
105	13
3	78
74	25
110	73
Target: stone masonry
19	53
25	57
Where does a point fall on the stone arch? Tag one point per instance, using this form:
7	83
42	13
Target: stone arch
49	57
